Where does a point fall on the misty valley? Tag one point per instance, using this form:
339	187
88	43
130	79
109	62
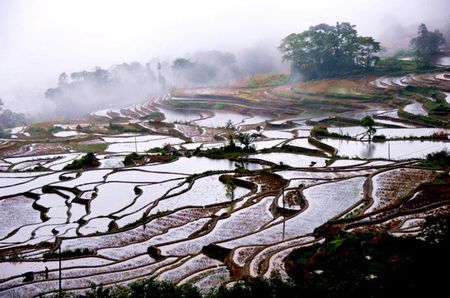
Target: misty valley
219	175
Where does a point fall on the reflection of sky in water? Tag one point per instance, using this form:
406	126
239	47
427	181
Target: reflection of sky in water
173	116
358	131
415	108
398	149
448	96
444	61
221	118
198	165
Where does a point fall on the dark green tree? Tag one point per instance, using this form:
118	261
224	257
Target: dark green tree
324	50
367	47
181	63
229	125
230	187
231	144
4	133
435	230
426	45
246	139
86	161
369	123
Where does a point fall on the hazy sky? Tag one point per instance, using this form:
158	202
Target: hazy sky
40	39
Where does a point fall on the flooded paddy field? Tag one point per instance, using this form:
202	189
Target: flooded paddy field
166	198
397	149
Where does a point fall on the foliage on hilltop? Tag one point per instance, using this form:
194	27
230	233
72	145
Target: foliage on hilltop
325	51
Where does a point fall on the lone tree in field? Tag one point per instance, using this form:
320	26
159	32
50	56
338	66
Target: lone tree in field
229	125
368	123
230	187
426	45
325	51
181	63
247	140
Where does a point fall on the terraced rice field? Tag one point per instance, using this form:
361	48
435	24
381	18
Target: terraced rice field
183	220
393	149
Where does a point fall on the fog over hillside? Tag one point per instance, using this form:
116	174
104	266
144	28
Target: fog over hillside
110	50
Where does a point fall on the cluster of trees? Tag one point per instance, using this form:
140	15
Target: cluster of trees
437	160
85	162
86	91
373	264
426	45
220	68
205	68
324	50
321	51
9	119
231	150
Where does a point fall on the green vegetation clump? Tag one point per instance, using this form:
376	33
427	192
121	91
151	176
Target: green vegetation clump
281	166
225	152
369	264
165	154
392	64
324	51
426	45
326	105
425	90
322	131
231	150
122	128
201	105
38	168
4	134
267	80
436	160
37	131
369	124
428	120
229	125
323	146
230	187
379	138
166	149
156	150
303	91
252	84
352	95
439	107
155	116
130	158
439	135
144	288
86	161
54	129
436	230
134	158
